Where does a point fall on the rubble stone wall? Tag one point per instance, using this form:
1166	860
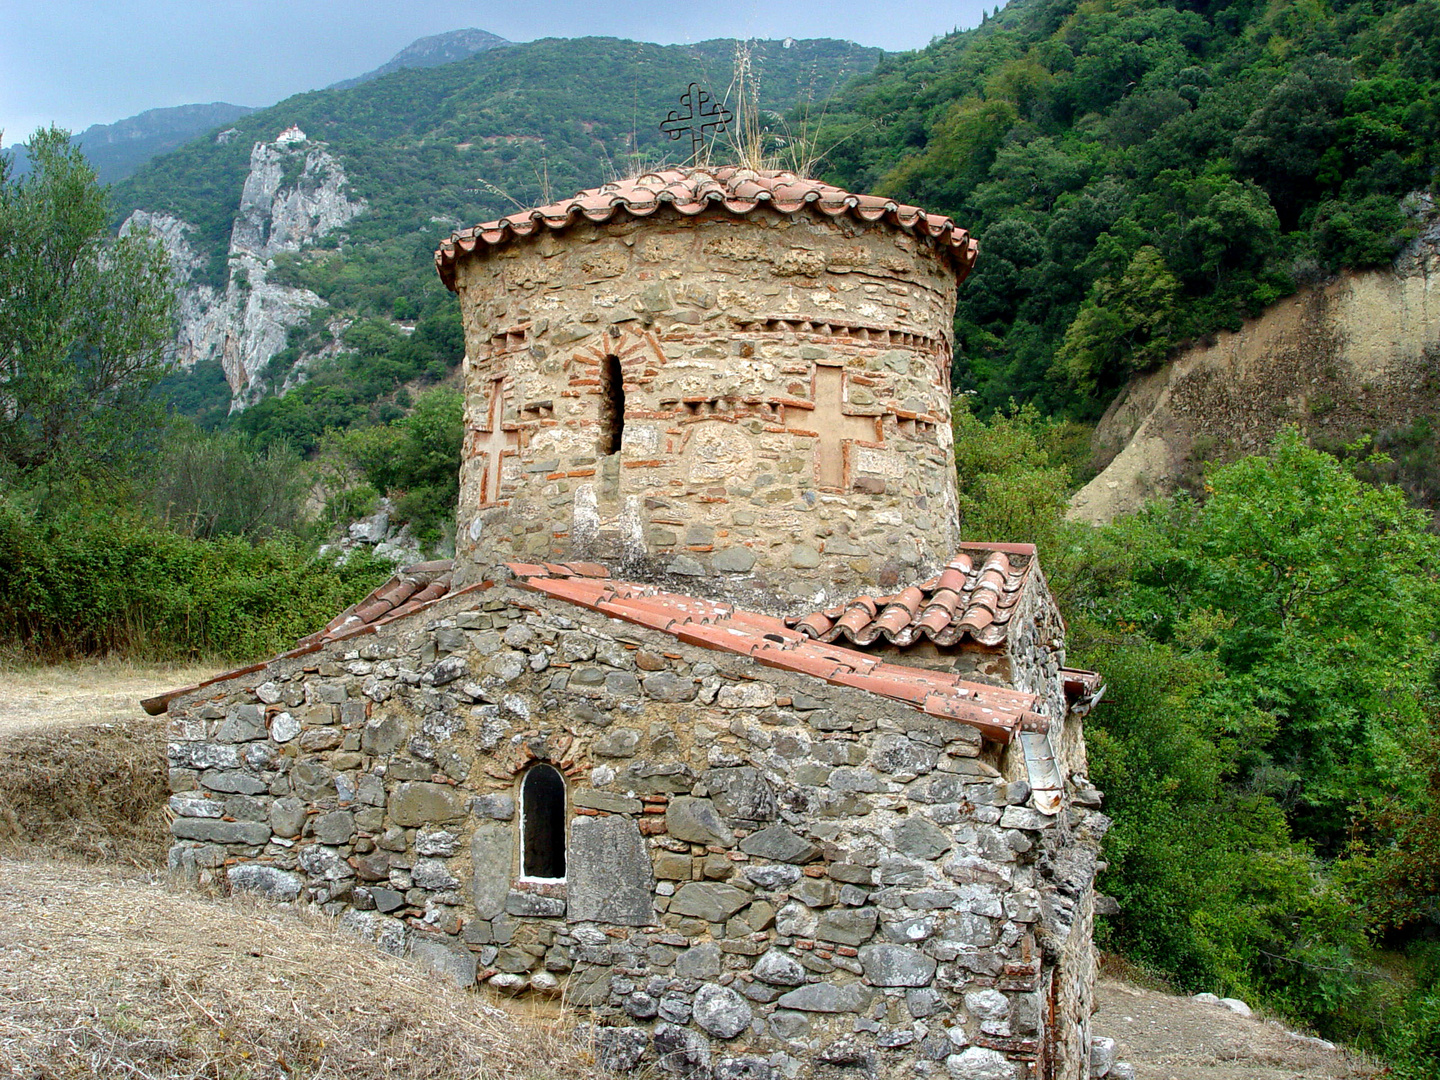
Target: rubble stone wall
786	417
766	876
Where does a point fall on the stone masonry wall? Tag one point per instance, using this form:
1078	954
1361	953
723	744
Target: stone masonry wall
766	876
787	401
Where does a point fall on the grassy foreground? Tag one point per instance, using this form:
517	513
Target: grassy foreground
108	975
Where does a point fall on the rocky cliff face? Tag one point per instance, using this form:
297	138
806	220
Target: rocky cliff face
1358	355
294	194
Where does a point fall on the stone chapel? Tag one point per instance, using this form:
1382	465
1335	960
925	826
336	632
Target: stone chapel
715	727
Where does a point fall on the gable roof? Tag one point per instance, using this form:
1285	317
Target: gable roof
998	713
973	597
412	589
785	644
691	191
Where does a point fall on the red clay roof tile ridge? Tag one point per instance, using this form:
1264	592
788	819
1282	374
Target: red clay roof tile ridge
974	595
692	190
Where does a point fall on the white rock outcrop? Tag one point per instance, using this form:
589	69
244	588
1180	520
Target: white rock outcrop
246	325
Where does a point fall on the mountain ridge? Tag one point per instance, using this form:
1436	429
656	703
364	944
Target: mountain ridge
116	150
426	150
432	51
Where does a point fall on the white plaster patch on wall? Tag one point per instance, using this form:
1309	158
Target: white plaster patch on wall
561	441
717	451
886	463
642	438
632	527
585	518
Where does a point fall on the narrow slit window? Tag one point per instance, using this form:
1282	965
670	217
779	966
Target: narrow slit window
612	406
542	823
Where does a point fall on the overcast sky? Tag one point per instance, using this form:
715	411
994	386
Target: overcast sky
83	62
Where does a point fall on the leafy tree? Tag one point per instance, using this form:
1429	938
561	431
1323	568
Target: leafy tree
84	319
1318	594
220	485
1124	326
415	459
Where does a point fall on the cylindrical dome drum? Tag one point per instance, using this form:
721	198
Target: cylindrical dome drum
726	374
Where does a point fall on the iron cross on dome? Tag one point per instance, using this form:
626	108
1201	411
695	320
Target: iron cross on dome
701	114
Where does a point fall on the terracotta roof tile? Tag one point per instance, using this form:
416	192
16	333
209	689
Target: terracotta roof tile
974	596
998	713
1083	689
691	191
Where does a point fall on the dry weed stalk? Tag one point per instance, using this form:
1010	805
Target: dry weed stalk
103	975
92	792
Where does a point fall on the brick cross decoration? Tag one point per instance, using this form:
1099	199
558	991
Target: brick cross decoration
702	113
832	426
498	442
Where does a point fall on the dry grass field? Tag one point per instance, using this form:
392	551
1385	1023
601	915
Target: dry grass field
113	974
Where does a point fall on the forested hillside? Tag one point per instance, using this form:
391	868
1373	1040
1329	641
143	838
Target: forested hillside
1140	173
431	149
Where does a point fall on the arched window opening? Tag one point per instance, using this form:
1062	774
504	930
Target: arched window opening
612	406
542	823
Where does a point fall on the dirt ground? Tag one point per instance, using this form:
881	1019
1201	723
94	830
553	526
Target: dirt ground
98	692
1177	1038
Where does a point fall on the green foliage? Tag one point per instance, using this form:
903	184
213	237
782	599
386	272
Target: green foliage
208	486
433	149
1417	1042
1266	576
84	320
1007	488
415	459
1235	141
77	581
1267	743
1123	326
199	393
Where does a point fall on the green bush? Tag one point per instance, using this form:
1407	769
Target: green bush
220	485
104	580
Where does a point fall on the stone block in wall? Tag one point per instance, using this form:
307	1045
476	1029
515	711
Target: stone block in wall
743	794
269	881
609	877
780	843
896	965
980	1063
446	960
491	859
214	831
712	901
847	926
720	1011
827	998
419	803
697	821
